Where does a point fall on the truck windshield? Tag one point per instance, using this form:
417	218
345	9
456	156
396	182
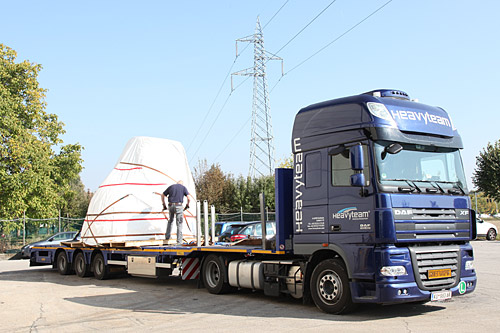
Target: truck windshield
418	168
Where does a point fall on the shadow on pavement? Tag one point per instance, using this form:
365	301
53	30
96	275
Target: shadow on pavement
174	296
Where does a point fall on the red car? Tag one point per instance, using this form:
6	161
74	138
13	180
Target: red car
254	230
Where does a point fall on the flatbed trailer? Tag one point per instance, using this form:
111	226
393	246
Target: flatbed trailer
161	260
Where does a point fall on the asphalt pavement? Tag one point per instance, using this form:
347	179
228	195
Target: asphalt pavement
38	299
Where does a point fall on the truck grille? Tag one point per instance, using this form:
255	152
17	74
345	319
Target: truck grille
431	224
442	258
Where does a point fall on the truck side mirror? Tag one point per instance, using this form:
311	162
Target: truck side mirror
358	180
357	163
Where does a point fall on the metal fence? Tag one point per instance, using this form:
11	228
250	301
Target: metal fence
245	217
31	230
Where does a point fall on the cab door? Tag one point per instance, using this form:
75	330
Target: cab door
350	208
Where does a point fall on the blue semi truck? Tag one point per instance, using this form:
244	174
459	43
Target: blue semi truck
375	210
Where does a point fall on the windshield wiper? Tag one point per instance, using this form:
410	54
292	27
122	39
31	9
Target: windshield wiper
456	184
439	187
412	185
434	184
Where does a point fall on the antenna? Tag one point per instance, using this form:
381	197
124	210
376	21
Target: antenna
262	141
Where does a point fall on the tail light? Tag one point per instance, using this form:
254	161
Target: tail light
236	237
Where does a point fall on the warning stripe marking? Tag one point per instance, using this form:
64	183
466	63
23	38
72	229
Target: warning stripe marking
190	268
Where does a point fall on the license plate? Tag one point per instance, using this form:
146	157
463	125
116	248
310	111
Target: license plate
439	273
440	295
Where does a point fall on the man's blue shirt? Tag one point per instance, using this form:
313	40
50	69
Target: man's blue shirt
176	193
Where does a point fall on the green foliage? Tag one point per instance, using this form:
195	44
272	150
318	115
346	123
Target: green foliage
213	185
487	172
75	200
228	194
33	177
485	205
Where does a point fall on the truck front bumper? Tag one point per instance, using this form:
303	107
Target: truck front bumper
414	264
402	292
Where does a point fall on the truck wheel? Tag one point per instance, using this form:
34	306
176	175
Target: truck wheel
330	287
63	266
81	267
491	235
101	270
213	274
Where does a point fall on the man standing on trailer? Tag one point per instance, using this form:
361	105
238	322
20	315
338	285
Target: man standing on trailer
175	194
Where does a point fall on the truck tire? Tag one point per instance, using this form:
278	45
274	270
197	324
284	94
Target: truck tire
62	263
491	235
213	274
101	270
330	287
82	269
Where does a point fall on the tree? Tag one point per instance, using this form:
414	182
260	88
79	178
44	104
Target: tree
286	163
487	173
33	177
214	186
75	199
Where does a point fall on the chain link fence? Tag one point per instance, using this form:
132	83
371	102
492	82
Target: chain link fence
30	230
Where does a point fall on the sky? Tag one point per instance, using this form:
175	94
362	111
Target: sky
119	69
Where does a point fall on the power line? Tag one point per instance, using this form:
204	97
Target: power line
275	55
224	81
342	35
265	25
213	102
307	59
330	43
216	118
232	139
305	27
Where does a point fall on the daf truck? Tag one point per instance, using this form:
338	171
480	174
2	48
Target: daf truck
375	210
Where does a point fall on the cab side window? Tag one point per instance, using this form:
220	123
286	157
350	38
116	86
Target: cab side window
313	169
341	168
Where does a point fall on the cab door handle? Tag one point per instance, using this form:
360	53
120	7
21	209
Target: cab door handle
335	227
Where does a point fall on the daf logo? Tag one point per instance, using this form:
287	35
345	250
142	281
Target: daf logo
403	211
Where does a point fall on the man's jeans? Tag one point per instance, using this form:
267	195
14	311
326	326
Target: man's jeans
175	210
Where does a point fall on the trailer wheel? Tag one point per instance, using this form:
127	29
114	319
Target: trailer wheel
81	267
330	287
101	270
63	266
213	274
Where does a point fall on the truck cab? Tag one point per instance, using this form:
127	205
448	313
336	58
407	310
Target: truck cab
378	185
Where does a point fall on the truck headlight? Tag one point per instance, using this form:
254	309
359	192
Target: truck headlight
393	271
469	265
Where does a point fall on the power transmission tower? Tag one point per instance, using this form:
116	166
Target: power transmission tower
262	141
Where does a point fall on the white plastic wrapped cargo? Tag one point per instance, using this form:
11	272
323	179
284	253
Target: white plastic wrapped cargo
127	206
